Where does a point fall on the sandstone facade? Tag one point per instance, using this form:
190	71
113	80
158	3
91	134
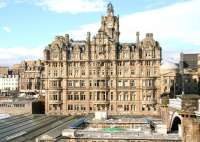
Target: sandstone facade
31	77
103	74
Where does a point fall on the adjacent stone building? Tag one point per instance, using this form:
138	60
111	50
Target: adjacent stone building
20	105
170	79
31	77
102	74
4	70
9	83
190	61
175	81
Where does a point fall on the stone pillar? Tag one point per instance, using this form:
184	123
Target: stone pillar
190	130
190	125
180	130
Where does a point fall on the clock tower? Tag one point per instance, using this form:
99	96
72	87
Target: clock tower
110	25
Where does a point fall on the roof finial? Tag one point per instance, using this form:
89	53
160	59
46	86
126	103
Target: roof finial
110	10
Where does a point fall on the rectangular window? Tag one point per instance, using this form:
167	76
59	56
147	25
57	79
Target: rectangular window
119	63
132	63
111	95
133	107
55	73
148	72
82	72
126	84
132	96
70	107
54	83
76	97
76	72
55	97
103	72
126	107
82	83
82	97
119	72
120	83
70	97
104	95
98	96
90	72
132	72
111	83
132	83
90	95
70	83
111	107
90	83
111	72
76	83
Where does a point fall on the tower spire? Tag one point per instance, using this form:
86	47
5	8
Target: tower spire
110	9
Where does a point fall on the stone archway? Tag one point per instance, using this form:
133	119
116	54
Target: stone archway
175	127
175	123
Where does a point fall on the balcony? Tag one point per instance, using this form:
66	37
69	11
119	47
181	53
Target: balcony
55	102
101	102
55	88
150	102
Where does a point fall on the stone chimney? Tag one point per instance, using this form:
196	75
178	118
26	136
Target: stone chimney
67	38
88	36
137	37
149	35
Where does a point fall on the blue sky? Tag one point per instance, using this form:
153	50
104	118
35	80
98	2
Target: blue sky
27	26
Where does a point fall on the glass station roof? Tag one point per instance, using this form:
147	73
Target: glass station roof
26	127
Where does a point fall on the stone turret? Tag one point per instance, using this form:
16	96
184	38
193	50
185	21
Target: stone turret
110	9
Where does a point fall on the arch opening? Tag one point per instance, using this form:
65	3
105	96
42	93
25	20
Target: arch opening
175	125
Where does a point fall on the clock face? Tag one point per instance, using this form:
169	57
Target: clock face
110	25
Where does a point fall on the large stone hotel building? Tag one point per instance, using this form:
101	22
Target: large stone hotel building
102	74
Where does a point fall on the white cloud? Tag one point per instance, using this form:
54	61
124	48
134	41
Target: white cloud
155	3
173	26
158	3
72	6
81	32
13	55
3	3
7	29
172	22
